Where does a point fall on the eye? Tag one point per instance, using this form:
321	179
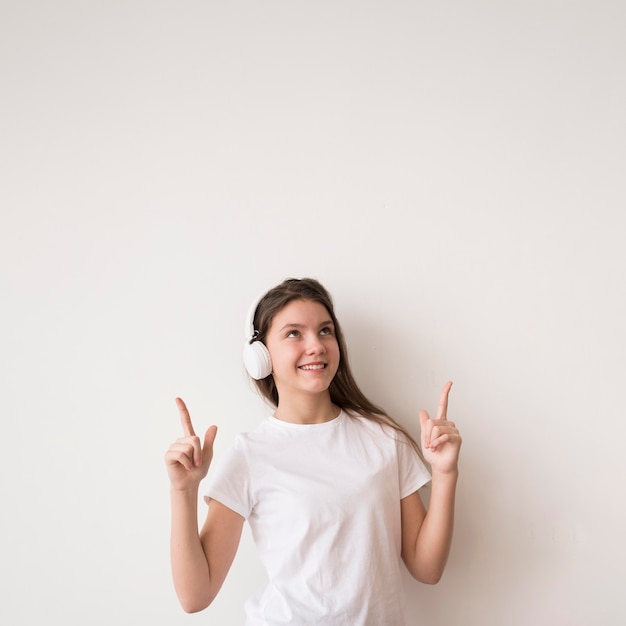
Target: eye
293	333
327	330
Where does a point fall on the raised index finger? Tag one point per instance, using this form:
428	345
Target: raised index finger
185	418
442	407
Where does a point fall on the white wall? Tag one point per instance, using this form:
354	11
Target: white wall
452	171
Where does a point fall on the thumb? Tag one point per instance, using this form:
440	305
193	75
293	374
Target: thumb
207	448
426	428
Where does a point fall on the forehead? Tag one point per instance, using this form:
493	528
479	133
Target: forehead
301	312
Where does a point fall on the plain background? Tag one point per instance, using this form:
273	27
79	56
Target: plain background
453	172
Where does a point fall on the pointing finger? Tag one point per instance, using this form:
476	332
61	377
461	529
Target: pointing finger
442	407
185	418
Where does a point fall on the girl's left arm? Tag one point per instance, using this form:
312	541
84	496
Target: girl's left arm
427	535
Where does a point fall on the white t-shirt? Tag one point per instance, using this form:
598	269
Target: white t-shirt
323	504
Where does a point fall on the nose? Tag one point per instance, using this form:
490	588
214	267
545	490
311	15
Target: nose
315	344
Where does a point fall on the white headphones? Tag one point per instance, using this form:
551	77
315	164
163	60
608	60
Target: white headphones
256	356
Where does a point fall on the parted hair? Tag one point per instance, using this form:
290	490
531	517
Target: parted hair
344	391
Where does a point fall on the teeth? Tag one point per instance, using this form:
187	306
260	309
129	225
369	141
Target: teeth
313	367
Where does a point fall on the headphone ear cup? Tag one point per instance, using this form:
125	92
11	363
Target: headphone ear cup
256	358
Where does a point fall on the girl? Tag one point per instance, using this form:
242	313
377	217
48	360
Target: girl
329	483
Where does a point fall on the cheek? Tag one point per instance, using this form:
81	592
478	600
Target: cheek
281	354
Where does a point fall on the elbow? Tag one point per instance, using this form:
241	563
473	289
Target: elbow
194	604
428	571
426	576
193	607
431	578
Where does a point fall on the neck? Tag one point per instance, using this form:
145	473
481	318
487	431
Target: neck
313	410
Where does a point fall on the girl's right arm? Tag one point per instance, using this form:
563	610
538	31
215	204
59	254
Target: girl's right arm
200	561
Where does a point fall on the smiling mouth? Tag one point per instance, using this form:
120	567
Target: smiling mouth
313	366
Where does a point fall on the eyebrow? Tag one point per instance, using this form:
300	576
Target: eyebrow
293	325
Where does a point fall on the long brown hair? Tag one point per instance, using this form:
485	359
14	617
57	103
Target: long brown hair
344	391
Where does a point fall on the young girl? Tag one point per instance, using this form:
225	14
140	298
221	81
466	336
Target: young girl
328	483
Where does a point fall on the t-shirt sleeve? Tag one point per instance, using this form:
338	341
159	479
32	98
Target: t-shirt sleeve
413	473
228	481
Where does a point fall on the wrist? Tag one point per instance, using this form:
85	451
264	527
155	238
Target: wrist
448	475
184	493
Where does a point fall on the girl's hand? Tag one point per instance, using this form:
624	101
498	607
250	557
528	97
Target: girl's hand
441	442
186	460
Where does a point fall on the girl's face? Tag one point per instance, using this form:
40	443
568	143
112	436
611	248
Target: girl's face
303	347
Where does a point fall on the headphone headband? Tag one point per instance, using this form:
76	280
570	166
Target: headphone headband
249	332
